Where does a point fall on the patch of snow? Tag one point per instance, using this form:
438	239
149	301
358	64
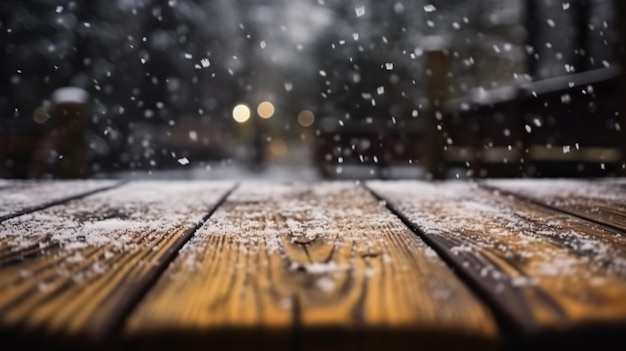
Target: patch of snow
131	216
562	191
541	243
325	284
31	194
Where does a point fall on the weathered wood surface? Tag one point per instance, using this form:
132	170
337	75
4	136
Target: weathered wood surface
19	197
309	266
601	202
317	266
78	268
542	270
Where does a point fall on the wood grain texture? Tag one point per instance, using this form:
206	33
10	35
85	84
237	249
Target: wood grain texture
321	266
19	197
544	270
601	202
77	268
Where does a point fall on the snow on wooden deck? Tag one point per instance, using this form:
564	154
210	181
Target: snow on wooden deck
325	255
23	196
547	266
155	262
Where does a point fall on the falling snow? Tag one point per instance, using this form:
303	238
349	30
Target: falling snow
359	10
430	8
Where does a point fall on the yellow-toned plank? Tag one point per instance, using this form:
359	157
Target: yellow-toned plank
77	268
546	270
321	265
19	197
601	202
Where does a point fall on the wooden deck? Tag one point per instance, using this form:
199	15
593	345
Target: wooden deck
508	264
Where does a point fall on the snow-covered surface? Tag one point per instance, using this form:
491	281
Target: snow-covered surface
262	213
268	217
120	218
324	242
540	242
304	172
224	171
563	191
32	194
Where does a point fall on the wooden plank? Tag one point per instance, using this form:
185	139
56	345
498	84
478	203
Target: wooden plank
545	271
20	197
599	202
321	266
76	269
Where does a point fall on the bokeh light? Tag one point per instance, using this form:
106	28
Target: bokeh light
265	109
306	118
241	113
41	115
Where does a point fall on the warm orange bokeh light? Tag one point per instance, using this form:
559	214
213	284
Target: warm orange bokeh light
265	109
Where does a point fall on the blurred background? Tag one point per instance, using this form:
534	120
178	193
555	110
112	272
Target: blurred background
311	89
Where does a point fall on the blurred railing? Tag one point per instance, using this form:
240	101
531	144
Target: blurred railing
567	126
560	127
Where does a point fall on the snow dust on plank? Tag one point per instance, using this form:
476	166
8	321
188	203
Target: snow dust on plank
5	183
73	269
20	197
544	269
601	202
306	262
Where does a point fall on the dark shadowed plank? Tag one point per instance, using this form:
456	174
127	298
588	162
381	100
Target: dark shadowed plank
600	202
321	266
545	270
21	197
76	269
